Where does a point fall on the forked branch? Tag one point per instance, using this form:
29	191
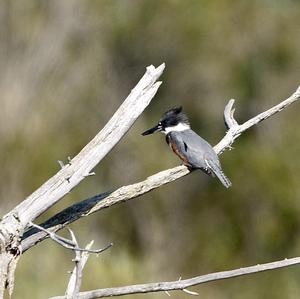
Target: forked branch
13	224
81	165
104	200
67	243
235	130
182	284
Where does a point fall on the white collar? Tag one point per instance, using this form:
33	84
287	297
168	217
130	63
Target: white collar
178	128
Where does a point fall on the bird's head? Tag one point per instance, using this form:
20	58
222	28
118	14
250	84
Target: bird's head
172	120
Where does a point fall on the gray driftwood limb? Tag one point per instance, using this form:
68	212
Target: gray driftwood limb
235	130
182	284
67	243
80	260
13	224
101	201
104	200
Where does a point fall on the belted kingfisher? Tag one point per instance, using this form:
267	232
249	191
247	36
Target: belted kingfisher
193	150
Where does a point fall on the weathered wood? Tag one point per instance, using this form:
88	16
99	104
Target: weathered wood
125	193
13	223
182	284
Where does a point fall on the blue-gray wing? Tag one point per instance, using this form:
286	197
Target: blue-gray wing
199	154
195	148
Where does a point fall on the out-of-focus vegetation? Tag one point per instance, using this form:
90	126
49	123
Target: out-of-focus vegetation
65	67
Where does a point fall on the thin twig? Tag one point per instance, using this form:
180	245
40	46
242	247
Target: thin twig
76	276
184	283
190	292
235	130
75	280
69	244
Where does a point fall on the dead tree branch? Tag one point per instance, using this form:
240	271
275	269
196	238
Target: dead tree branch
82	164
101	201
13	224
81	257
235	130
107	199
184	283
76	276
69	244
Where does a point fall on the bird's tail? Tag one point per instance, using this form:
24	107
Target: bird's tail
216	169
223	178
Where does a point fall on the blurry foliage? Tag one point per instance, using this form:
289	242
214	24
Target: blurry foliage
65	67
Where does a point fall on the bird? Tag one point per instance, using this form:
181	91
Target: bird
193	150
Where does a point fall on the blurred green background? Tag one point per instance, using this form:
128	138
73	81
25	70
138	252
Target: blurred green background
66	66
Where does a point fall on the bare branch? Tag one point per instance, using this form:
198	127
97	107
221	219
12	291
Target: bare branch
69	244
104	200
76	276
236	130
81	165
183	284
229	115
190	292
13	224
98	202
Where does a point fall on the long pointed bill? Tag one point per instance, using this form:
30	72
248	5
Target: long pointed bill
152	130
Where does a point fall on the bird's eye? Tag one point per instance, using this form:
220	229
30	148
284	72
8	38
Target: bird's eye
160	123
